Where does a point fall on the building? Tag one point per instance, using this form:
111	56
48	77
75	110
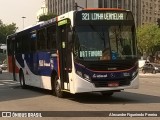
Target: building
144	11
60	6
150	11
133	5
88	3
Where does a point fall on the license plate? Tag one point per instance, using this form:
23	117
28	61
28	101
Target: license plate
113	84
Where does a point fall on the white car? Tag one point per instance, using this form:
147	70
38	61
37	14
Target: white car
0	71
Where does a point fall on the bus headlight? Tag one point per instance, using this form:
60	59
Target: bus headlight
86	77
134	73
79	73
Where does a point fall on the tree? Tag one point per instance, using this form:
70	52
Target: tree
6	30
47	17
148	38
1	22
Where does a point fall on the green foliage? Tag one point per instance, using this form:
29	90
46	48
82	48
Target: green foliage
6	30
148	38
47	17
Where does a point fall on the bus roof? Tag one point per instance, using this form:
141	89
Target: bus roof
38	25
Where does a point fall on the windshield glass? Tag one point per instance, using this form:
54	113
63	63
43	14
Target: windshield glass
104	43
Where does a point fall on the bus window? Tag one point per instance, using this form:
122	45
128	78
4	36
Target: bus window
51	37
41	40
9	46
19	45
33	42
121	41
26	43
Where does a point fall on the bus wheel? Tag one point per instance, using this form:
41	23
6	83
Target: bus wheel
22	80
107	94
57	88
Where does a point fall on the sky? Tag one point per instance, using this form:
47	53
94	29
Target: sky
12	11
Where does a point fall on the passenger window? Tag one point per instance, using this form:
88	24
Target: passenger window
41	39
33	41
51	37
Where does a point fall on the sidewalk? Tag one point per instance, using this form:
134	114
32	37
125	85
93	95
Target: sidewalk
6	75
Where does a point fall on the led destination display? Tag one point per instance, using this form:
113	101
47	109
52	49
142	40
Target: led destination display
103	16
83	17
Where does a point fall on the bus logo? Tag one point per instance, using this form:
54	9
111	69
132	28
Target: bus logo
112	75
100	76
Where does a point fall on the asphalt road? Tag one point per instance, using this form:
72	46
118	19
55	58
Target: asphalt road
146	98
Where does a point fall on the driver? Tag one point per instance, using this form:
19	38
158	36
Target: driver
106	54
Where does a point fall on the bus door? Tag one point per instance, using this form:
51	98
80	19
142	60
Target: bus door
64	48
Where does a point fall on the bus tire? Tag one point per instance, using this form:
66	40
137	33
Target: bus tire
22	80
57	88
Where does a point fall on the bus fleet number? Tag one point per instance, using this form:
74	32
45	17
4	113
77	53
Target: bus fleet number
85	16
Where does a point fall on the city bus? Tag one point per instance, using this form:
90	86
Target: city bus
89	50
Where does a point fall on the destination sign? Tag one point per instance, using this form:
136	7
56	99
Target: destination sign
103	16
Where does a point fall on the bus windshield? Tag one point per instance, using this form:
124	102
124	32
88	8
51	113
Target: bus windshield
94	43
